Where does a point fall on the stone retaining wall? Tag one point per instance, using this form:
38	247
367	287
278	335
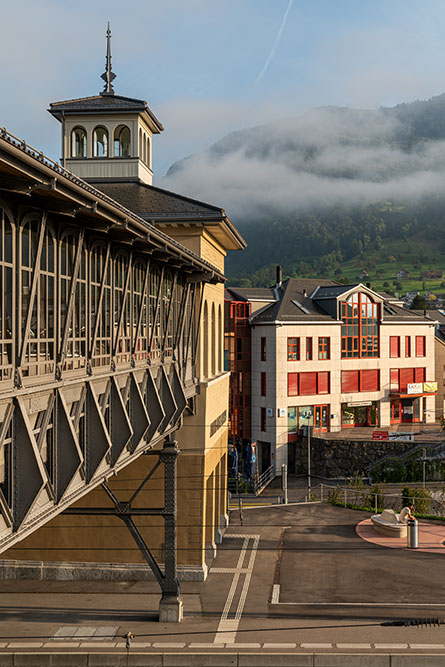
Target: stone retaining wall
343	458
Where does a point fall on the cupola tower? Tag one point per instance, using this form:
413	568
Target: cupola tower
107	136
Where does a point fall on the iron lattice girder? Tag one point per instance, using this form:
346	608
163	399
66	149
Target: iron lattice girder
136	412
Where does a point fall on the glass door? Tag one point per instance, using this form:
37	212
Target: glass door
321	420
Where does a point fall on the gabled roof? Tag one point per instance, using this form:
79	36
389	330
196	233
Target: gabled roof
99	104
298	300
163	208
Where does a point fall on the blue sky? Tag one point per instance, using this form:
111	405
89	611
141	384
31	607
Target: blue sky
197	62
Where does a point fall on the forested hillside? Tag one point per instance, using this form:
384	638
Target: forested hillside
316	191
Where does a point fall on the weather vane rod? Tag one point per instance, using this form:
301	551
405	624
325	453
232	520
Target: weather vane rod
108	76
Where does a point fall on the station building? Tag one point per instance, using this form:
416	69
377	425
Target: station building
111	351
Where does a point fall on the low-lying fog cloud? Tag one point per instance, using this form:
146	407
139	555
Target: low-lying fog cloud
328	156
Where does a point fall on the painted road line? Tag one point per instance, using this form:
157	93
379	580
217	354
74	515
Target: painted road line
390	647
421	647
275	594
319	645
277	646
227	570
227	628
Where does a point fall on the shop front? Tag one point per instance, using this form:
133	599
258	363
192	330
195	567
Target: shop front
360	413
316	416
406	410
410	407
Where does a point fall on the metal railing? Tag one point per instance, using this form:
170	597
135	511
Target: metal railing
255	485
259	483
431	503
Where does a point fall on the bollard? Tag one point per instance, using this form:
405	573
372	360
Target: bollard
412	534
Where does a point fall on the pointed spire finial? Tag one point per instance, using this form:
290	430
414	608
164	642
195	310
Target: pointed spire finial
108	76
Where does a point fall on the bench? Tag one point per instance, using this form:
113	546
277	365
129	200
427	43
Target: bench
387	523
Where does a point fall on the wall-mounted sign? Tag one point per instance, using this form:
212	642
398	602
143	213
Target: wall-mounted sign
281	412
359	404
414	388
429	387
269	412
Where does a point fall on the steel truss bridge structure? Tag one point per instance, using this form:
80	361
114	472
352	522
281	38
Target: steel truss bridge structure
99	329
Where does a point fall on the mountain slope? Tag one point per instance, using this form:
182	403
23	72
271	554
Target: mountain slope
328	185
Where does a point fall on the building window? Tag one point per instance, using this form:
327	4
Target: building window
263	384
263	349
407	346
100	142
292	384
324	348
263	419
293	349
360	328
400	378
122	141
308	384
239	349
356	381
78	142
308	349
394	346
420	346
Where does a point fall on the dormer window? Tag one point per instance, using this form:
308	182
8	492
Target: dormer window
78	142
360	328
100	142
122	141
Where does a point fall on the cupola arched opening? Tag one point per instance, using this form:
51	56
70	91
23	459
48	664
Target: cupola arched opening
78	142
122	140
100	142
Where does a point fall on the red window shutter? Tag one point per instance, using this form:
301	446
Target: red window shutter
420	346
406	377
419	374
292	384
349	381
369	380
308	384
323	382
394	346
407	346
394	379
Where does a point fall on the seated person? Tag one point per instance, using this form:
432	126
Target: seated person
407	513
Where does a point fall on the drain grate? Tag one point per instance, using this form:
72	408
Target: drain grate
85	632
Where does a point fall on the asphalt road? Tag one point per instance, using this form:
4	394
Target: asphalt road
294	576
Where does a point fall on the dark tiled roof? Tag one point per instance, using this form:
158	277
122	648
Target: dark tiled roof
152	203
395	313
99	103
295	304
332	291
102	103
251	293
